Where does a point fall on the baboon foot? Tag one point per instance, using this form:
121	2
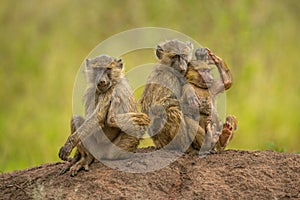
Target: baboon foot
82	164
229	127
206	153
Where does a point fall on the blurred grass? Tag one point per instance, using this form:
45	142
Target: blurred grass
43	44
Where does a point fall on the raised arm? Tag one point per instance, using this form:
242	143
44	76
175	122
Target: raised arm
226	79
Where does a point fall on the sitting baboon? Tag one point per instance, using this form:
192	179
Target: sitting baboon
111	116
201	81
161	97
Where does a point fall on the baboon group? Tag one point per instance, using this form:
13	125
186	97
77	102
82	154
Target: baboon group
178	107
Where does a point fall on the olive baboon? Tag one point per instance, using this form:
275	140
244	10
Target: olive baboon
161	97
111	115
201	81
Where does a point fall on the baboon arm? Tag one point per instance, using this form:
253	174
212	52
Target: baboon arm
189	95
133	123
88	127
225	74
226	79
129	122
127	119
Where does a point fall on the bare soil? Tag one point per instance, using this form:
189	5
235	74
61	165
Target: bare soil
231	174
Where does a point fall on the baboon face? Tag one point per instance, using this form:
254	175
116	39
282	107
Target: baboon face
199	73
202	54
175	54
103	72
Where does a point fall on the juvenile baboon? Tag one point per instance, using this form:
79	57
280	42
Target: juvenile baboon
161	97
207	88
111	116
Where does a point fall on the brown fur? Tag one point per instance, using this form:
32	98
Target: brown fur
201	82
111	117
162	93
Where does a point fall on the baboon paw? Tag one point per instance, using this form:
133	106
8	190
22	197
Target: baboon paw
86	168
216	136
227	125
211	128
75	169
193	101
65	151
74	173
205	106
215	58
232	121
64	170
140	121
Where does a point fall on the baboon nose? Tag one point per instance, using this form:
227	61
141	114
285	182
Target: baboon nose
101	83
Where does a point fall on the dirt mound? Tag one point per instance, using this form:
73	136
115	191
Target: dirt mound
228	175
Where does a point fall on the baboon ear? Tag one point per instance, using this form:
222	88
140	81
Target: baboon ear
189	44
159	52
119	63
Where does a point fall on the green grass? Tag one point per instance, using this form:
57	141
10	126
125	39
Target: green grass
44	43
274	147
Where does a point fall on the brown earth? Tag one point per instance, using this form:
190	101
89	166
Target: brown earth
231	174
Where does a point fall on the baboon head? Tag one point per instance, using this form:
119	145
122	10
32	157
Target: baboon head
175	54
201	54
103	72
199	73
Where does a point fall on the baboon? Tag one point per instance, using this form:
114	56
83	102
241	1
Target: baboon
201	81
111	116
161	97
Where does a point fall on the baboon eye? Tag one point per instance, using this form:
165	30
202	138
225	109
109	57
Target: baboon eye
185	58
174	56
108	70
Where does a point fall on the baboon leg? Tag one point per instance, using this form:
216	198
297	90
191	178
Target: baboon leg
77	166
83	163
210	140
195	131
173	132
227	132
75	123
72	161
88	161
124	145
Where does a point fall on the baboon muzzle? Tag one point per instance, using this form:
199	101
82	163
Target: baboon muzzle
103	81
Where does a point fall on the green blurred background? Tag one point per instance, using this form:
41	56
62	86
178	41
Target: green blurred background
43	43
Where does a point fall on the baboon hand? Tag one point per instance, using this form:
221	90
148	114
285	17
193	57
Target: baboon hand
140	119
201	54
190	96
65	151
215	58
193	100
205	106
210	128
212	132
